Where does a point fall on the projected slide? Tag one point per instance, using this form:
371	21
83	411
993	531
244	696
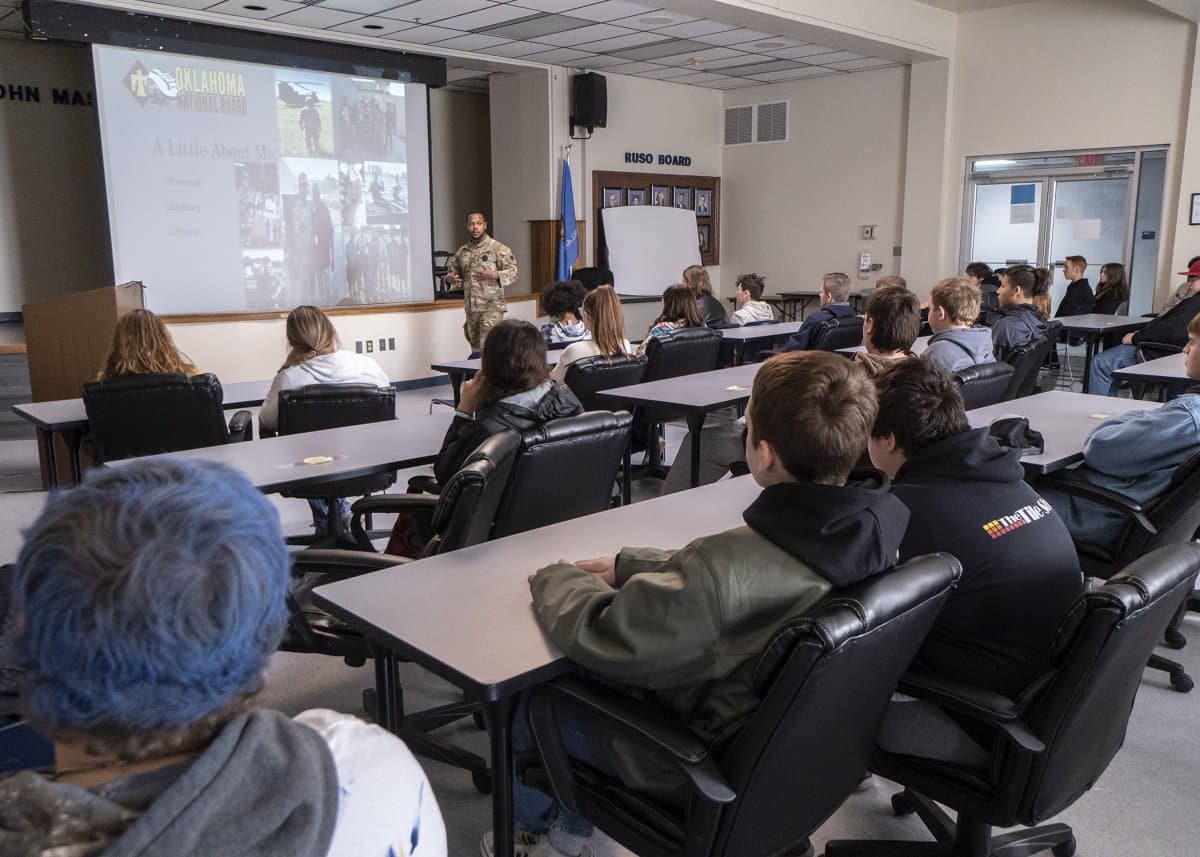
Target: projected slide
237	186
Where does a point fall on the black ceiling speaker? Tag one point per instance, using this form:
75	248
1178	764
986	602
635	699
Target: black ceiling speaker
589	101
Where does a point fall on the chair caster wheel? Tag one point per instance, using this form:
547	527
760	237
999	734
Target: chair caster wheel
482	781
901	805
1182	682
480	723
1173	639
1065	849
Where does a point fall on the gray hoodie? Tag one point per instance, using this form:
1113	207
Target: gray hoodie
753	311
338	367
960	347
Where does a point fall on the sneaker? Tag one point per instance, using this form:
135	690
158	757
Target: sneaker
527	844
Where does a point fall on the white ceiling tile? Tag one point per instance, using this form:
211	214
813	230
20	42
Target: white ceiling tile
862	64
655	20
560	56
795	73
585	35
666	73
489	17
703	56
602	62
836	56
634	67
430	11
262	8
514	50
700	77
732	83
189	4
740	59
620	42
373	26
801	52
315	16
733	37
424	35
472	42
610	10
362	7
552	5
771	44
694	28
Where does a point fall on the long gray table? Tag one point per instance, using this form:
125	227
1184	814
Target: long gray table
68	417
1168	372
739	336
465	616
694	396
460	370
278	463
1092	326
1064	419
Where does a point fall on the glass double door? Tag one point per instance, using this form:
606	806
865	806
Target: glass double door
1041	220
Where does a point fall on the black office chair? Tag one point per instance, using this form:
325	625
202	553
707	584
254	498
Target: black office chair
441	267
593	375
1170	518
838	333
1053	741
1026	361
136	415
683	352
593	277
984	383
325	406
824	683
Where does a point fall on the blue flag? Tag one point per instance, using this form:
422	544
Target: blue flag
568	245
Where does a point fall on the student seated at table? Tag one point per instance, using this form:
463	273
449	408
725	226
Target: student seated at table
1185	289
957	343
835	303
1134	454
315	356
679	310
561	301
151	598
890	327
511	390
606	327
1170	326
750	306
1079	297
142	345
963	490
1019	321
684	628
980	275
712	311
1112	290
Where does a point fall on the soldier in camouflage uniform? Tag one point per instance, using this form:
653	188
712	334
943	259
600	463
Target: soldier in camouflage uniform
483	267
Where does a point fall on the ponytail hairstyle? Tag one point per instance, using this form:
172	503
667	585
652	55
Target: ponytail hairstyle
1033	282
141	345
310	334
608	322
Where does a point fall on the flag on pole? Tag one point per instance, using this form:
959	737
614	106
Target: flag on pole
568	243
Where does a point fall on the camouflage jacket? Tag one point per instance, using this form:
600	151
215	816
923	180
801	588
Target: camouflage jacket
487	252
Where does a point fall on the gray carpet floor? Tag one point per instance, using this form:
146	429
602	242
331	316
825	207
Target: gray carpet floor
1145	805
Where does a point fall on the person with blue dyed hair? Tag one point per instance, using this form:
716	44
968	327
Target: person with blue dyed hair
150	599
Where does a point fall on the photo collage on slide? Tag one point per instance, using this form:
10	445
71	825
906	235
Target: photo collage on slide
328	223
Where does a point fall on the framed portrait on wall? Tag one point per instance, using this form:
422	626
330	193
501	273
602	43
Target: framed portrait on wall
635	197
703	202
659	194
683	197
704	236
612	197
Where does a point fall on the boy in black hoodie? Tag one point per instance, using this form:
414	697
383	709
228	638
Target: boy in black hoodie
686	627
967	496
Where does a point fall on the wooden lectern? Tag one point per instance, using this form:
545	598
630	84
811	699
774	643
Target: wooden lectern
67	338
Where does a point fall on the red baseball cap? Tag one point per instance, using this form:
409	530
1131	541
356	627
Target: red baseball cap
1193	271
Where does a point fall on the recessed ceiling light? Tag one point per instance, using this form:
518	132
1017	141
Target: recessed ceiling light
766	46
372	26
255	8
655	20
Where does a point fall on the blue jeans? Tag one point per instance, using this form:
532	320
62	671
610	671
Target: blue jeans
535	811
1104	364
320	511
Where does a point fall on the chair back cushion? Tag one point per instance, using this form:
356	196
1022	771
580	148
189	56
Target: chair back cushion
1100	654
836	333
589	376
682	352
467	505
1027	360
326	406
137	415
825	681
566	469
984	383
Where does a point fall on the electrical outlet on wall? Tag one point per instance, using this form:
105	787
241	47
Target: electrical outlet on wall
370	346
391	343
382	344
866	233
358	347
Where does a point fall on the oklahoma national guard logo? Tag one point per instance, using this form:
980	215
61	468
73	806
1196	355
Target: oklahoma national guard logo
137	81
153	85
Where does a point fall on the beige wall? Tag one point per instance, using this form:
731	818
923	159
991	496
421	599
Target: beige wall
460	145
792	210
53	219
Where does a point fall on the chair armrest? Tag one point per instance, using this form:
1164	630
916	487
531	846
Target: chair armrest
241	427
983	706
1075	487
418	505
631	716
424	484
1151	345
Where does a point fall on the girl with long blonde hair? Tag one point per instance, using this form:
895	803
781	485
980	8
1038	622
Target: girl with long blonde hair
603	317
142	345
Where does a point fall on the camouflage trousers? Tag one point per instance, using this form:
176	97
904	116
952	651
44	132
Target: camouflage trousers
477	325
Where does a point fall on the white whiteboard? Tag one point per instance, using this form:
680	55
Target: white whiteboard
649	246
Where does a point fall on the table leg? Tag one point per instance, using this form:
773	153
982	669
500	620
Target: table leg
47	440
456	380
738	346
73	439
695	426
1088	351
499	717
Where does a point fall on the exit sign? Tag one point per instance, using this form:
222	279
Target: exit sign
1087	160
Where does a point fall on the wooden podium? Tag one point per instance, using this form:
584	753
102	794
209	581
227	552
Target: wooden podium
67	339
